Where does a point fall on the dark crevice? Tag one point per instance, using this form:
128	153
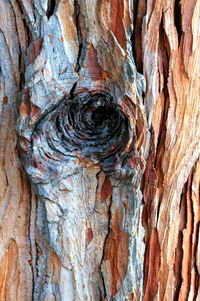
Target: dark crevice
134	37
82	48
139	12
80	57
146	265
71	93
50	8
179	249
177	267
31	247
105	241
190	213
22	72
79	25
102	294
97	187
177	19
197	275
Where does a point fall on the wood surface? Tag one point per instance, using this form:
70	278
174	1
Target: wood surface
122	224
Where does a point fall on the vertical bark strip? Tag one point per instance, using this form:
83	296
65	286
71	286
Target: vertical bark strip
83	131
83	126
15	193
171	52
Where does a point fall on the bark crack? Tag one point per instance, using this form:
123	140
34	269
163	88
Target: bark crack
105	241
50	8
81	51
32	241
177	19
79	36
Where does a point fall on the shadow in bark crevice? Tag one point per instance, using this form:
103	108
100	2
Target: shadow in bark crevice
178	19
50	8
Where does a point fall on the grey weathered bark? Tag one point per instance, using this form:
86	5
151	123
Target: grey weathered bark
98	228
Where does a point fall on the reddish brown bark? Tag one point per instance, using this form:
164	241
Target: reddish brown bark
166	50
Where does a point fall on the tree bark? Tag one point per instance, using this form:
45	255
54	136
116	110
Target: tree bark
103	99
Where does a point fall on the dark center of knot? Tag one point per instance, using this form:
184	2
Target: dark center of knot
102	115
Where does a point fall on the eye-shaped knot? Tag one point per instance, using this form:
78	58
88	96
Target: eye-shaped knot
89	125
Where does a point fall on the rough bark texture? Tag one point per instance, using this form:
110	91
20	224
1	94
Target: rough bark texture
115	167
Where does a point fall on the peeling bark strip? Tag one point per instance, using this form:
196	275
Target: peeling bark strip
171	46
83	144
116	254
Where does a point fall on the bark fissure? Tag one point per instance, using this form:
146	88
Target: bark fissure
32	245
81	46
178	19
79	24
138	18
177	266
105	242
51	4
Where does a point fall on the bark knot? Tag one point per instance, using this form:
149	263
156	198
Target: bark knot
89	125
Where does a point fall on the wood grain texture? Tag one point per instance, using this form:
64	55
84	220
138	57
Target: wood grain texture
97	233
171	64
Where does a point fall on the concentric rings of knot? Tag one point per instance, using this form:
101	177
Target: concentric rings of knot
89	125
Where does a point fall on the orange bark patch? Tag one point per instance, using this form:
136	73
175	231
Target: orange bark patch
5	100
106	190
89	235
23	109
130	297
35	113
152	265
9	273
26	109
117	18
116	253
116	25
137	162
93	65
55	267
35	50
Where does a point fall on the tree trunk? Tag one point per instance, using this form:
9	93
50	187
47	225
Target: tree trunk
100	100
